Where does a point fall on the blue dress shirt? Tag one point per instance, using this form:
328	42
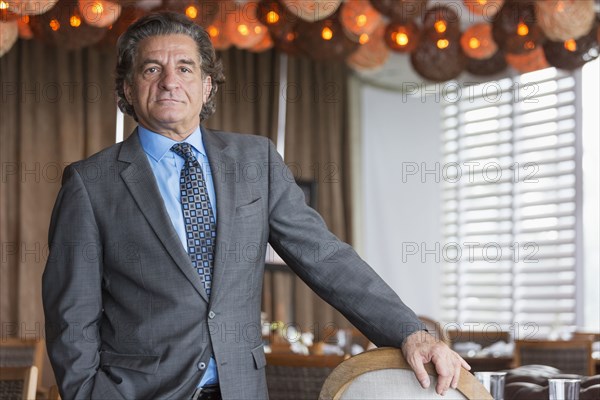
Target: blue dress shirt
167	167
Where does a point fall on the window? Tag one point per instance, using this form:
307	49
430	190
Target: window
511	176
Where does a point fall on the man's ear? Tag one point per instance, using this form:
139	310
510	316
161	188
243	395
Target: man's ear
206	88
128	90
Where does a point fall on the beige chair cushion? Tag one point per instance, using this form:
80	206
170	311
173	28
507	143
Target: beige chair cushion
384	374
394	384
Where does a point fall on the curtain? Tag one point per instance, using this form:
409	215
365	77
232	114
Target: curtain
57	107
317	149
248	101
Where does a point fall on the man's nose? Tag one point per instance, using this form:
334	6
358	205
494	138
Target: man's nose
168	79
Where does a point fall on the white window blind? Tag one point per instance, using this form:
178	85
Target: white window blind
509	203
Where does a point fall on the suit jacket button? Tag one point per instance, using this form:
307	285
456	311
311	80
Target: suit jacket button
211	315
201	366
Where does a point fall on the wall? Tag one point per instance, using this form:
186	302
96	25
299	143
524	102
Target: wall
591	196
400	136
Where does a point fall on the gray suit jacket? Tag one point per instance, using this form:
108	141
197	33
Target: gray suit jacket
126	314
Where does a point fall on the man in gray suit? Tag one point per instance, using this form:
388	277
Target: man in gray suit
149	290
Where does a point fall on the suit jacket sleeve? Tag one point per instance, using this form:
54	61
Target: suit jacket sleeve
331	267
71	289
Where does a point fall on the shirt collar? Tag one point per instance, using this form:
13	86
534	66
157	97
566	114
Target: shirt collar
157	145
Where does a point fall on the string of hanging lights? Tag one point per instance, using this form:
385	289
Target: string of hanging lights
442	38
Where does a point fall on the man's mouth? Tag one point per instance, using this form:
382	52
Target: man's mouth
167	101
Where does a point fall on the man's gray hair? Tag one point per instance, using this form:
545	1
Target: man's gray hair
158	24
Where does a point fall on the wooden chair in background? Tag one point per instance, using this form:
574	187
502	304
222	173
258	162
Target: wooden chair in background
591	336
16	352
298	377
384	374
569	356
53	393
18	383
484	338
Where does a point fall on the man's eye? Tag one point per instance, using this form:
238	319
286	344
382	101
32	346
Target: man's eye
151	70
185	69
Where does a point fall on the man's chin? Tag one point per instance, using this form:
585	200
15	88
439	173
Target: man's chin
169	122
168	118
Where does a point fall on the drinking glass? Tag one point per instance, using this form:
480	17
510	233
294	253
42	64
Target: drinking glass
563	389
493	383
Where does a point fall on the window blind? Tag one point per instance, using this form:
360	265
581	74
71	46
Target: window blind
509	203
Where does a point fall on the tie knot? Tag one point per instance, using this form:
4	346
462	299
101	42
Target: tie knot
185	151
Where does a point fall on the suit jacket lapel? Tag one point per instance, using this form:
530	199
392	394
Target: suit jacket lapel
139	179
224	173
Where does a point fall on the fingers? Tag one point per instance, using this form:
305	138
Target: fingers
456	376
420	348
448	380
420	373
448	366
444	380
415	351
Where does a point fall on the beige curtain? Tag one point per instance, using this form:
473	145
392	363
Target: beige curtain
317	149
57	107
248	101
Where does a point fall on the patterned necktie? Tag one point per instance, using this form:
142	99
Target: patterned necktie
200	228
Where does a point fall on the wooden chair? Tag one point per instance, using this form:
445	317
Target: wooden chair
53	393
569	356
298	377
18	383
592	336
384	374
484	338
16	352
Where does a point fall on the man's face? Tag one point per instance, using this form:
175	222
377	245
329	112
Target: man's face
168	89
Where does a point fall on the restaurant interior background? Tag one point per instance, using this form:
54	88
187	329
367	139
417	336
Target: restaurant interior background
475	197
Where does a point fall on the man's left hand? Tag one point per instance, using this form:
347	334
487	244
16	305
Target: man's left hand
421	348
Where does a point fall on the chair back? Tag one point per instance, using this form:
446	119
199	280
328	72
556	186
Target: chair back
16	352
18	383
384	374
484	338
298	377
582	335
569	356
53	393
